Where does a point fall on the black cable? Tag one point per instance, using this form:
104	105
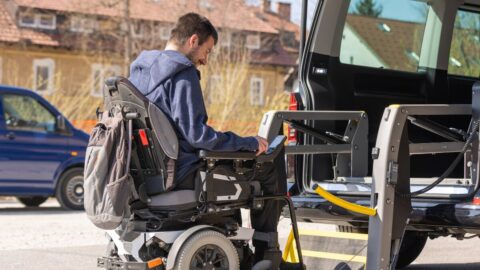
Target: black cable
449	170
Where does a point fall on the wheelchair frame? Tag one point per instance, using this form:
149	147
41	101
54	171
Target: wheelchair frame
169	230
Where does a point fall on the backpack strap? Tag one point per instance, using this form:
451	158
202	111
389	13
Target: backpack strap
129	156
142	193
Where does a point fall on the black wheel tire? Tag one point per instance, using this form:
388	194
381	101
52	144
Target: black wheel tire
196	250
412	245
70	189
32	201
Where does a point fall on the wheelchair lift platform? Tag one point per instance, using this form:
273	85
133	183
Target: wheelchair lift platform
390	193
329	249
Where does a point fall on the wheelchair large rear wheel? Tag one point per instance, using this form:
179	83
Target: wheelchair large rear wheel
207	250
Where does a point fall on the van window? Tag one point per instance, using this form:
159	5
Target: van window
26	114
465	48
386	35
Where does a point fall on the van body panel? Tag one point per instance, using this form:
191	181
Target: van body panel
31	161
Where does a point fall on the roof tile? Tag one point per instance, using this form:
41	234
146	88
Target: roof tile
10	32
224	13
390	46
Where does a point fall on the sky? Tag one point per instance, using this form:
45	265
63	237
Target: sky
406	10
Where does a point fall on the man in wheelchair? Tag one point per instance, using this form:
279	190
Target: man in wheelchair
188	175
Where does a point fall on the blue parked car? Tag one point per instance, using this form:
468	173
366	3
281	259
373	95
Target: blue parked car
41	153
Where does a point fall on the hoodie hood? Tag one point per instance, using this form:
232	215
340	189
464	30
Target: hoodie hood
152	68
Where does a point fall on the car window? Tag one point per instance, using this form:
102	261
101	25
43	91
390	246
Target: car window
27	114
465	48
386	35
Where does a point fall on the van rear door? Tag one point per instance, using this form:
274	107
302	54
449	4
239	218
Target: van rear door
401	52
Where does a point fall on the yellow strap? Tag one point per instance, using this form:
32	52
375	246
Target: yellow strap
289	251
288	245
344	204
329	234
335	256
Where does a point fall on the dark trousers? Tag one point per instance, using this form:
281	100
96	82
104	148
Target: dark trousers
273	180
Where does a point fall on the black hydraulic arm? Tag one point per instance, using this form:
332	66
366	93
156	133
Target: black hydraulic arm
319	134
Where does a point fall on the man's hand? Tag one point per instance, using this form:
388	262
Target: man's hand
262	145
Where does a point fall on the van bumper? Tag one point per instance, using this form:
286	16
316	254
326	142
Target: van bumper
432	215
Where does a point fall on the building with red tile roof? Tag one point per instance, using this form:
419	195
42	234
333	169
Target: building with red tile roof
81	42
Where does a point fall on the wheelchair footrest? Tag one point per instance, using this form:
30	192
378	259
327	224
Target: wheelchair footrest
116	264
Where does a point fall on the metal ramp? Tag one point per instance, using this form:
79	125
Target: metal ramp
322	248
391	172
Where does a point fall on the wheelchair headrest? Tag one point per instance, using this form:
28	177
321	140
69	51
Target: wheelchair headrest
121	93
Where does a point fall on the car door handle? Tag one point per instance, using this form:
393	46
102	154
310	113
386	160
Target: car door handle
11	135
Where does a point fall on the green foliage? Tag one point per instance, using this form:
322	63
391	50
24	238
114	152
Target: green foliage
368	8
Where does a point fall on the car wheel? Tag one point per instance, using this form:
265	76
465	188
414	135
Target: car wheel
32	201
70	189
207	250
412	245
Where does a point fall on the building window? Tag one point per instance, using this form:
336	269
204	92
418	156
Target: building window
137	29
256	91
225	38
99	74
47	21
253	41
44	21
215	91
164	32
43	75
206	4
81	24
27	19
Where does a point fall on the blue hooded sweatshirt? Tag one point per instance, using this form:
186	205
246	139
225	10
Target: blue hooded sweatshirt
171	81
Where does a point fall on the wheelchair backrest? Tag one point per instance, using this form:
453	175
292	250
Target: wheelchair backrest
155	143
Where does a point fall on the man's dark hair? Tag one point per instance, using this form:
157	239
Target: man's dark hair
190	24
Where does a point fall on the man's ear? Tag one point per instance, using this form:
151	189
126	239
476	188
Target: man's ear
193	41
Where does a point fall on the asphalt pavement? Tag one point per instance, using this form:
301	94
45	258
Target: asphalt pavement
50	238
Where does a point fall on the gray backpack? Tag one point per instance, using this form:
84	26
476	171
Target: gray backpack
108	185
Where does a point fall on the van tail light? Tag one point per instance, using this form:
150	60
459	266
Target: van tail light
476	200
292	133
143	137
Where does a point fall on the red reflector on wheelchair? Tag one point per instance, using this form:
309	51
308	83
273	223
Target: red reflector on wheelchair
143	137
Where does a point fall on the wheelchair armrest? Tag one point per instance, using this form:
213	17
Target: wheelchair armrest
273	150
227	155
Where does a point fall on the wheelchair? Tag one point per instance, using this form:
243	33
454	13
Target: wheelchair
184	229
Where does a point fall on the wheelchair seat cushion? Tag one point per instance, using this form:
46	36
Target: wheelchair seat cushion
174	200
